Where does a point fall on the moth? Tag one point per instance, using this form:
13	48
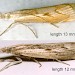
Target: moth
51	14
56	51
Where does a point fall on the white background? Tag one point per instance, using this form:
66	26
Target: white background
31	68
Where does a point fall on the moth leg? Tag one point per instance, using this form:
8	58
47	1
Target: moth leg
34	32
22	24
54	25
7	28
37	61
11	64
62	62
31	58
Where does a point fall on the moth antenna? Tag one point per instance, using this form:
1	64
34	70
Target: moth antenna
62	62
37	62
11	64
22	24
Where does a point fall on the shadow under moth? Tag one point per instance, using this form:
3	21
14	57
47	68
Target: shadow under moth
53	15
55	51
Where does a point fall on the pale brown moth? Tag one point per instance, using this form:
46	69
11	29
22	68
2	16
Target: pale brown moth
52	14
55	51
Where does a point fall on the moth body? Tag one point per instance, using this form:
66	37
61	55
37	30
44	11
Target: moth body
61	51
53	14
